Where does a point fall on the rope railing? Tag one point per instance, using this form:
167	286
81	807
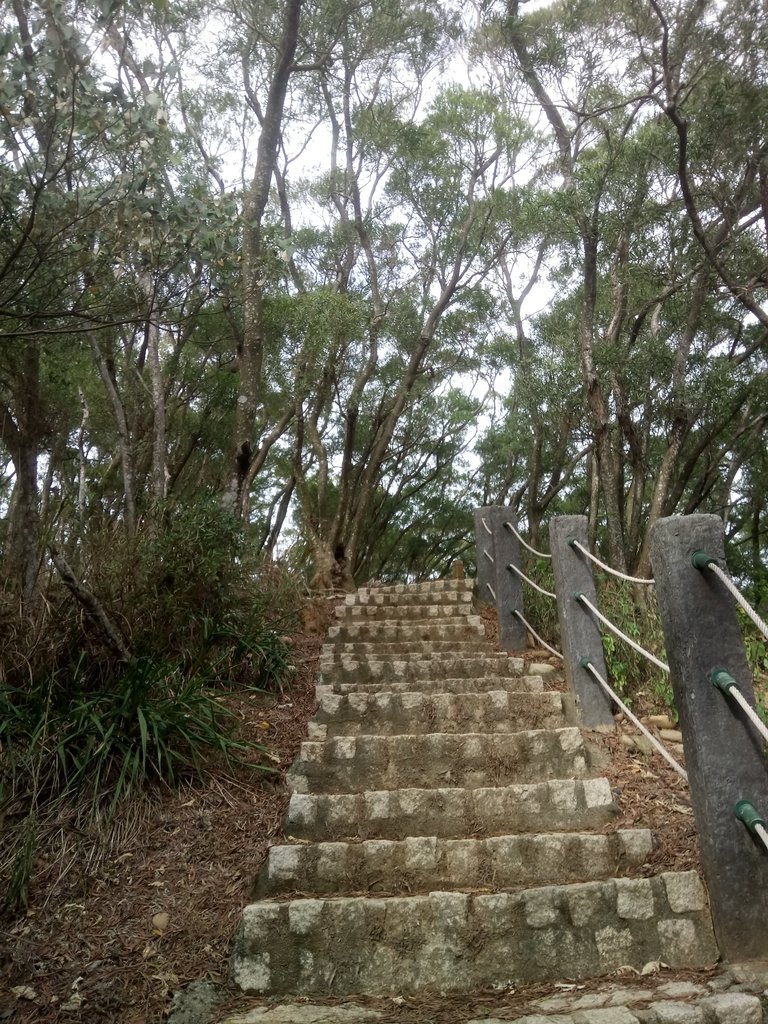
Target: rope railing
489	556
607	568
535	635
634	719
486	527
539	554
493	592
702	560
620	634
727	685
530	582
724	735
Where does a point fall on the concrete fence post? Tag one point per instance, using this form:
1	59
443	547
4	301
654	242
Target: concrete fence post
509	587
486	556
723	753
497	547
579	634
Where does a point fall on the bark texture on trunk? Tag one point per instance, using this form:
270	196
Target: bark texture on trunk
251	351
23	435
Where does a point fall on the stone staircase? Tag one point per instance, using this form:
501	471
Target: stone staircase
446	830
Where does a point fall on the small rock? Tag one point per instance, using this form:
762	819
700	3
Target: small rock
541	668
194	1003
734	1008
641	743
659	721
722	982
671	735
160	922
680	990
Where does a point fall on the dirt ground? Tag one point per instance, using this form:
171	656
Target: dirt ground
112	944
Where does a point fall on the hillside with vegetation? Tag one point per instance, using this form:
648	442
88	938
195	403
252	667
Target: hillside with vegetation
286	290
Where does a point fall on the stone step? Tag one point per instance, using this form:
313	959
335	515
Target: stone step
391	714
676	1002
559	805
454	611
419	865
381	599
457	942
348	764
654	1000
466	627
479	684
410	591
354	670
406	650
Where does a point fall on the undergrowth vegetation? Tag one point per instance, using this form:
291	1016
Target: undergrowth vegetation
85	731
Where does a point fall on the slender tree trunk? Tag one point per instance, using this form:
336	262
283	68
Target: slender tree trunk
23	437
159	440
82	462
106	372
594	499
608	466
251	352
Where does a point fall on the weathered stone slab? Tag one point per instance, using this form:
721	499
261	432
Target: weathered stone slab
418	864
565	804
349	764
456	942
389	713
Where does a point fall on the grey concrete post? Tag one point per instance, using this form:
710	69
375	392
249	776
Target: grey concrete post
723	752
486	556
579	633
509	586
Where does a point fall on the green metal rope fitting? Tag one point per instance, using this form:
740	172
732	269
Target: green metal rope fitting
748	814
585	662
723	680
571	541
577	595
701	560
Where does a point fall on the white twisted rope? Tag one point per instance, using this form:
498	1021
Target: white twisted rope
489	556
739	597
749	711
536	636
493	592
622	636
637	723
539	554
607	568
763	834
521	574
487	528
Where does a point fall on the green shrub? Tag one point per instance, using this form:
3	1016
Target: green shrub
200	615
